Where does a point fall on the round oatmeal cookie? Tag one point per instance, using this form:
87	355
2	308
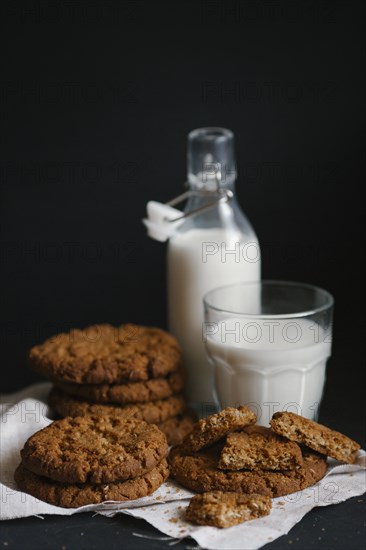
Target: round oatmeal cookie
178	427
103	354
73	496
199	472
94	449
133	392
153	412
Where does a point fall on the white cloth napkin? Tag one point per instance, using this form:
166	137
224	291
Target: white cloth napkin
25	412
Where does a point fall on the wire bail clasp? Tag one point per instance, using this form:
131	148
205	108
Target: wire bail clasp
163	219
225	195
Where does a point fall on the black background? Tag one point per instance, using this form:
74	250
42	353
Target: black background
96	101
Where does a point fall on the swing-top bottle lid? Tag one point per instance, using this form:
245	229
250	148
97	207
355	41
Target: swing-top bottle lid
211	167
211	158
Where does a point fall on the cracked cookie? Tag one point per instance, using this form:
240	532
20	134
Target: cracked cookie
103	354
95	449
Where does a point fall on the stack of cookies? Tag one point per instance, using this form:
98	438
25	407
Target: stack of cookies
91	459
101	368
228	453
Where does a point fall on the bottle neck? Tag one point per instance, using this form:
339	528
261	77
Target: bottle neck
210	194
207	184
211	159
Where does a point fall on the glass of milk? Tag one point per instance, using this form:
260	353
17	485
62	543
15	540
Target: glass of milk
269	342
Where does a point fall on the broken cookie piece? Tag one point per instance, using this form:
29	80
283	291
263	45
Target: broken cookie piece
315	436
209	430
225	509
257	448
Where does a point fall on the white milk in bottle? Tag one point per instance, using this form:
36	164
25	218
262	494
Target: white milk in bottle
214	246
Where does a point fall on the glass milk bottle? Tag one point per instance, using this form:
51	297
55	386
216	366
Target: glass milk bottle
214	246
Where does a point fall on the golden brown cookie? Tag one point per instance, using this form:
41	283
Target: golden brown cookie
154	412
315	436
199	472
103	354
73	496
94	449
257	448
133	392
178	427
225	509
283	483
214	427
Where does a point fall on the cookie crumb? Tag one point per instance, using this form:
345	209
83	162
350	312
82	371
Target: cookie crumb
173	520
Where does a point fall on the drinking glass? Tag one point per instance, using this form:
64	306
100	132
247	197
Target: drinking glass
269	342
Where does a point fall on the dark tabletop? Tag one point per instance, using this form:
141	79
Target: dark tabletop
334	527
